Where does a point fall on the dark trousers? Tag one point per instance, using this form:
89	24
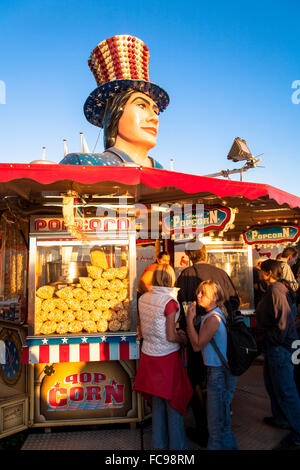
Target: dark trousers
281	387
197	374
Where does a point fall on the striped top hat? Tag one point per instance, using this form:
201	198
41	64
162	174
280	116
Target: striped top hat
120	63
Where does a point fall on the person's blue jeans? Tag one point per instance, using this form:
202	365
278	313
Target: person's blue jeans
294	310
281	387
167	426
220	389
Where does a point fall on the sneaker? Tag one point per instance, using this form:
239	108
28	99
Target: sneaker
199	437
271	421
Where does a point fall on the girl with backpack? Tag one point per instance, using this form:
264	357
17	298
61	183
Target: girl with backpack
220	382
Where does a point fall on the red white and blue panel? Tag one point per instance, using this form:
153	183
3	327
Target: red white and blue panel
80	349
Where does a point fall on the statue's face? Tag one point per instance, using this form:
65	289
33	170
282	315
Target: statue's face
139	121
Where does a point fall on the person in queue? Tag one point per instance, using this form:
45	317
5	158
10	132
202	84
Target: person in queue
259	286
161	377
220	382
274	319
125	104
297	276
145	282
296	270
188	282
288	258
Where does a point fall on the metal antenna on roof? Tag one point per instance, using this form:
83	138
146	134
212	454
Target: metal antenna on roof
43	160
66	151
83	144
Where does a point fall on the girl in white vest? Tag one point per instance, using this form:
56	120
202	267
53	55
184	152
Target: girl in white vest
220	382
161	377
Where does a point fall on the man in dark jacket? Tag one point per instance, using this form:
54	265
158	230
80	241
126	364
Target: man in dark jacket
274	318
188	281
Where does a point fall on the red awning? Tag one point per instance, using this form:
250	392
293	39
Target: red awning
56	177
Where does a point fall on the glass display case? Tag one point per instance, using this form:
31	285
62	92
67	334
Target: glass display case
238	265
235	258
81	287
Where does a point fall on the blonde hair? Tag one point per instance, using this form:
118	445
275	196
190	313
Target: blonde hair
164	276
215	290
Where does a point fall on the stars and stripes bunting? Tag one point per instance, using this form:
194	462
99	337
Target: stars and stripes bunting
84	349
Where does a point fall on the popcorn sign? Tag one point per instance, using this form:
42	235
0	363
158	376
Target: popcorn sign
199	219
272	234
92	224
85	391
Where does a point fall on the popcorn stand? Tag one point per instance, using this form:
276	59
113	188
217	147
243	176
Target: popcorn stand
68	282
80	342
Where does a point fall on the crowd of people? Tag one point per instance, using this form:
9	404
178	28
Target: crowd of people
188	314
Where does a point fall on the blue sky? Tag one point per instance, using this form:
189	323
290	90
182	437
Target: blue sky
227	66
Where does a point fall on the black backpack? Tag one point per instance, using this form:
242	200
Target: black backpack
241	346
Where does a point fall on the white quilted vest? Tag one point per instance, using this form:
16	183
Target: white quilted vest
153	321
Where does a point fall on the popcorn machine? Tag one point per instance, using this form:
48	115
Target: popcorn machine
80	286
82	341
